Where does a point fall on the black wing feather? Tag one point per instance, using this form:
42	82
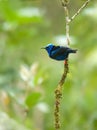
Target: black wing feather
57	51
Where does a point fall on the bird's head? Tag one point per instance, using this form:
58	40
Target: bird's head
48	48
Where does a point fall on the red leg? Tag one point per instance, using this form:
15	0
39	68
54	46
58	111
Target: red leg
65	62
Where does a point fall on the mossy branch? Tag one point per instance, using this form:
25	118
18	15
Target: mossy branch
58	96
58	91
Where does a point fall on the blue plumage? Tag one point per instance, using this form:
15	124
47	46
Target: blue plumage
58	52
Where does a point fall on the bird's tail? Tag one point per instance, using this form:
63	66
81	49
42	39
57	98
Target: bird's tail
74	50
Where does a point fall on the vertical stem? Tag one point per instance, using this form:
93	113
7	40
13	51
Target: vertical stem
67	19
58	96
67	24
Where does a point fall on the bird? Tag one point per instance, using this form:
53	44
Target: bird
59	53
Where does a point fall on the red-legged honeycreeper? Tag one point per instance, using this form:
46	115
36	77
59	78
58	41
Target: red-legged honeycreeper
58	52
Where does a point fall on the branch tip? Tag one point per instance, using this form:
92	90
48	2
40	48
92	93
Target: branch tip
79	10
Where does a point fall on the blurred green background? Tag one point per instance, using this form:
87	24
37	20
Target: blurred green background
28	77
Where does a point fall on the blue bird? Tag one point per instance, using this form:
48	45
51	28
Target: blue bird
58	52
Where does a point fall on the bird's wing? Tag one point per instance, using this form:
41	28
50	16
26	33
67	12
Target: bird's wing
55	48
58	51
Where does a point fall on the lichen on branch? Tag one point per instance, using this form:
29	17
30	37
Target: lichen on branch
58	95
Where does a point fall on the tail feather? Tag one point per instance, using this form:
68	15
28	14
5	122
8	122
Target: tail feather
73	50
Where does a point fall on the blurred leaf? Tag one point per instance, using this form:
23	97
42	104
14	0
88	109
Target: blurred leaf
8	123
32	99
26	15
22	15
34	19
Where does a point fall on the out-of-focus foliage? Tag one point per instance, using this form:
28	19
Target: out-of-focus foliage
28	77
